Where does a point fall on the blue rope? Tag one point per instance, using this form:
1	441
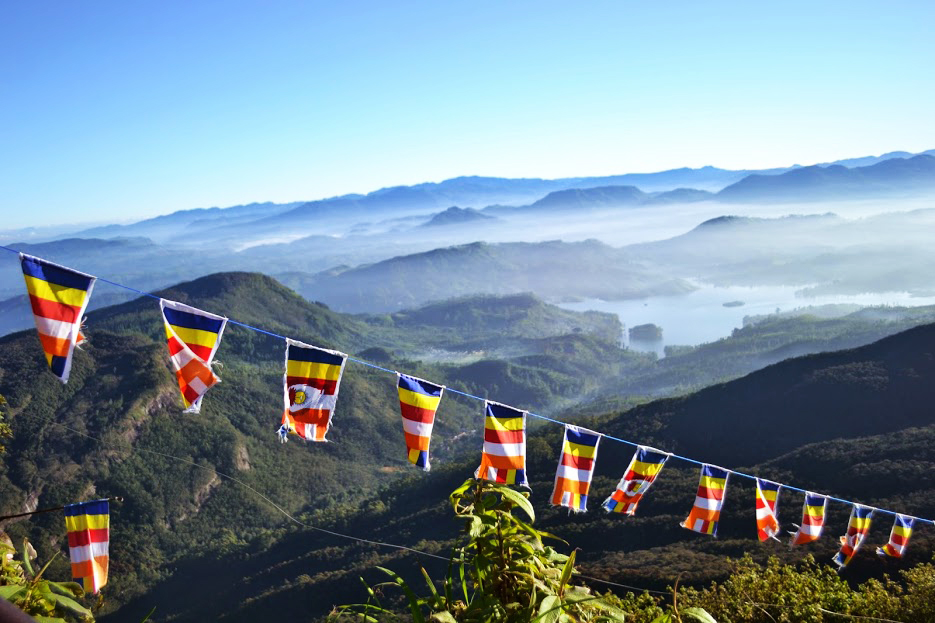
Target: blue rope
535	415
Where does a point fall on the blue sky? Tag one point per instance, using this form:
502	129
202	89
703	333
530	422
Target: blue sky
116	110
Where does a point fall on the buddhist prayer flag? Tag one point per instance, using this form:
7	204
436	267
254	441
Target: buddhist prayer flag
575	468
59	297
899	537
767	496
504	457
644	467
857	528
813	519
418	401
88	527
193	336
310	390
706	512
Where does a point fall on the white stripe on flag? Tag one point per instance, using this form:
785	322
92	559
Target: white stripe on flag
504	449
85	552
421	429
707	503
55	328
570	473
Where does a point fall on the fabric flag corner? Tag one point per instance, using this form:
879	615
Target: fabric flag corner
899	537
857	527
503	459
767	499
813	519
575	468
193	337
59	297
643	469
310	390
418	402
88	527
706	512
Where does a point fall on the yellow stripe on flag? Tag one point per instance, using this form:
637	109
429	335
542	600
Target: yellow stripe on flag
647	469
75	523
196	336
712	483
418	400
55	292
513	423
577	449
311	370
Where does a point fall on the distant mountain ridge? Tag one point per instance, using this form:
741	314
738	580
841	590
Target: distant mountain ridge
228	224
895	175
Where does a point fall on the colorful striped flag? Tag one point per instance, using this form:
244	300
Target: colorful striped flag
575	468
193	337
857	527
504	457
418	401
59	297
310	390
88	527
813	519
767	497
899	537
705	513
644	467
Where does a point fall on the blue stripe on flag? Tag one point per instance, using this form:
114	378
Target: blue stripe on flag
53	274
97	507
188	320
312	355
420	387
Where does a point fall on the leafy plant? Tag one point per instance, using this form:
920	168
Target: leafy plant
45	600
503	573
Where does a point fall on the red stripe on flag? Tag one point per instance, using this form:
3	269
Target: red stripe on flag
578	462
417	414
86	537
325	386
711	493
503	436
203	352
53	310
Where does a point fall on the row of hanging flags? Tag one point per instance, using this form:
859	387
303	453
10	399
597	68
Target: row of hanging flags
311	380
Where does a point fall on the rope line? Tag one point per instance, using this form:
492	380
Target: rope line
250	488
535	415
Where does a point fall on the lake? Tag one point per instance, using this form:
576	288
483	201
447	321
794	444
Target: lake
701	316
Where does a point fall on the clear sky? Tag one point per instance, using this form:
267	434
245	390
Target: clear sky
117	110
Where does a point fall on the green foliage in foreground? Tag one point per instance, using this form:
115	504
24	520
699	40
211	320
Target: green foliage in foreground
45	600
503	573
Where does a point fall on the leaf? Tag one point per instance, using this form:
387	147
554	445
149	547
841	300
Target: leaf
549	610
697	614
27	561
67	588
69	604
517	499
11	591
429	582
414	602
663	618
567	570
443	617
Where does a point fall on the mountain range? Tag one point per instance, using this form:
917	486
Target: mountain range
850	423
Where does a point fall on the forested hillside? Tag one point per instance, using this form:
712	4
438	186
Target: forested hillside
895	468
845	423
